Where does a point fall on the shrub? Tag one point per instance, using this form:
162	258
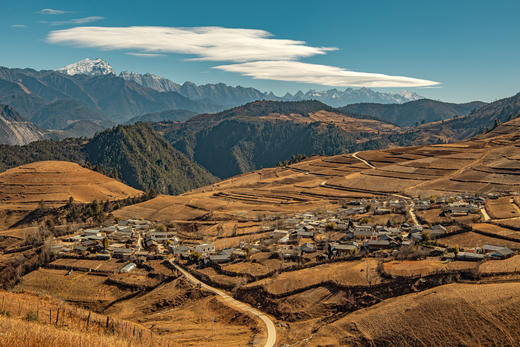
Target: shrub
31	316
331	226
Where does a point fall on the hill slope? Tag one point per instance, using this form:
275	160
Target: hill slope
144	159
63	113
140	157
489	164
263	133
477	122
16	130
448	315
55	181
164	116
413	112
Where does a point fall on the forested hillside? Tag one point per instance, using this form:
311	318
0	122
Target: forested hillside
135	154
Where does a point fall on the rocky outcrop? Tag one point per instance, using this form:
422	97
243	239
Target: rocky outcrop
16	130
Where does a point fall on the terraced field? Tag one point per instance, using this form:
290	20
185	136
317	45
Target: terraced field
486	164
52	183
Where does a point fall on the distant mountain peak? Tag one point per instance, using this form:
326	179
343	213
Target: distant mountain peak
90	67
411	96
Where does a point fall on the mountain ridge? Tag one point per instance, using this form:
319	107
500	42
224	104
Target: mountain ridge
413	112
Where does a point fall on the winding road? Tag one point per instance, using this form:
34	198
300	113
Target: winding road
271	330
363	160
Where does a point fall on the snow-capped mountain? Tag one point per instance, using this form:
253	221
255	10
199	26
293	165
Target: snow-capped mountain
337	98
91	67
228	96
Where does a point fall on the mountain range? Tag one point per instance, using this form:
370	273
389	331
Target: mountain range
90	94
173	156
413	112
228	96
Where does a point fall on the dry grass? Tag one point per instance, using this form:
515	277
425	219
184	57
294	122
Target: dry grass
502	208
54	182
89	290
510	265
31	320
424	267
472	239
17	333
351	273
450	315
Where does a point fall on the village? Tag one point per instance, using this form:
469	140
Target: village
381	228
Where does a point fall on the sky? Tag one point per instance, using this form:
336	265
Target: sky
454	51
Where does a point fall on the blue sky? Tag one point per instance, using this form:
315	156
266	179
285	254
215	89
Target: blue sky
470	48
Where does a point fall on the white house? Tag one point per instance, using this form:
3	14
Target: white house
205	248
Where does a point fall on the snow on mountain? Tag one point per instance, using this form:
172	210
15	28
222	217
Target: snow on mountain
228	96
337	98
91	67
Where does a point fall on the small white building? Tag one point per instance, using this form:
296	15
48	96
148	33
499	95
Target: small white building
205	248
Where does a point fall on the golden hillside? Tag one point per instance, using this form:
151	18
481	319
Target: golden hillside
54	182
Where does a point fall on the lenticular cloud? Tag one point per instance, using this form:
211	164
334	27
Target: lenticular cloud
254	53
295	71
205	43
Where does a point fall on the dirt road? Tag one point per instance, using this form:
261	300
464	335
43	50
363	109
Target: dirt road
363	160
271	330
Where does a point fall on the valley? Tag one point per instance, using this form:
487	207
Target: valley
322	246
229	174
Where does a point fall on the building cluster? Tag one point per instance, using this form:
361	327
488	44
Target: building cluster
127	239
344	232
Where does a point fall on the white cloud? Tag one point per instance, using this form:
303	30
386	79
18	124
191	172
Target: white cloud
294	71
52	11
255	53
205	43
146	55
83	20
19	26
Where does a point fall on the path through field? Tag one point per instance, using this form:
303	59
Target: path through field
271	330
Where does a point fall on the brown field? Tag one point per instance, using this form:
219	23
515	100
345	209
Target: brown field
222	280
351	273
89	265
495	229
53	183
502	208
188	316
349	124
424	267
78	287
471	239
323	182
510	223
260	264
491	267
432	216
450	315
